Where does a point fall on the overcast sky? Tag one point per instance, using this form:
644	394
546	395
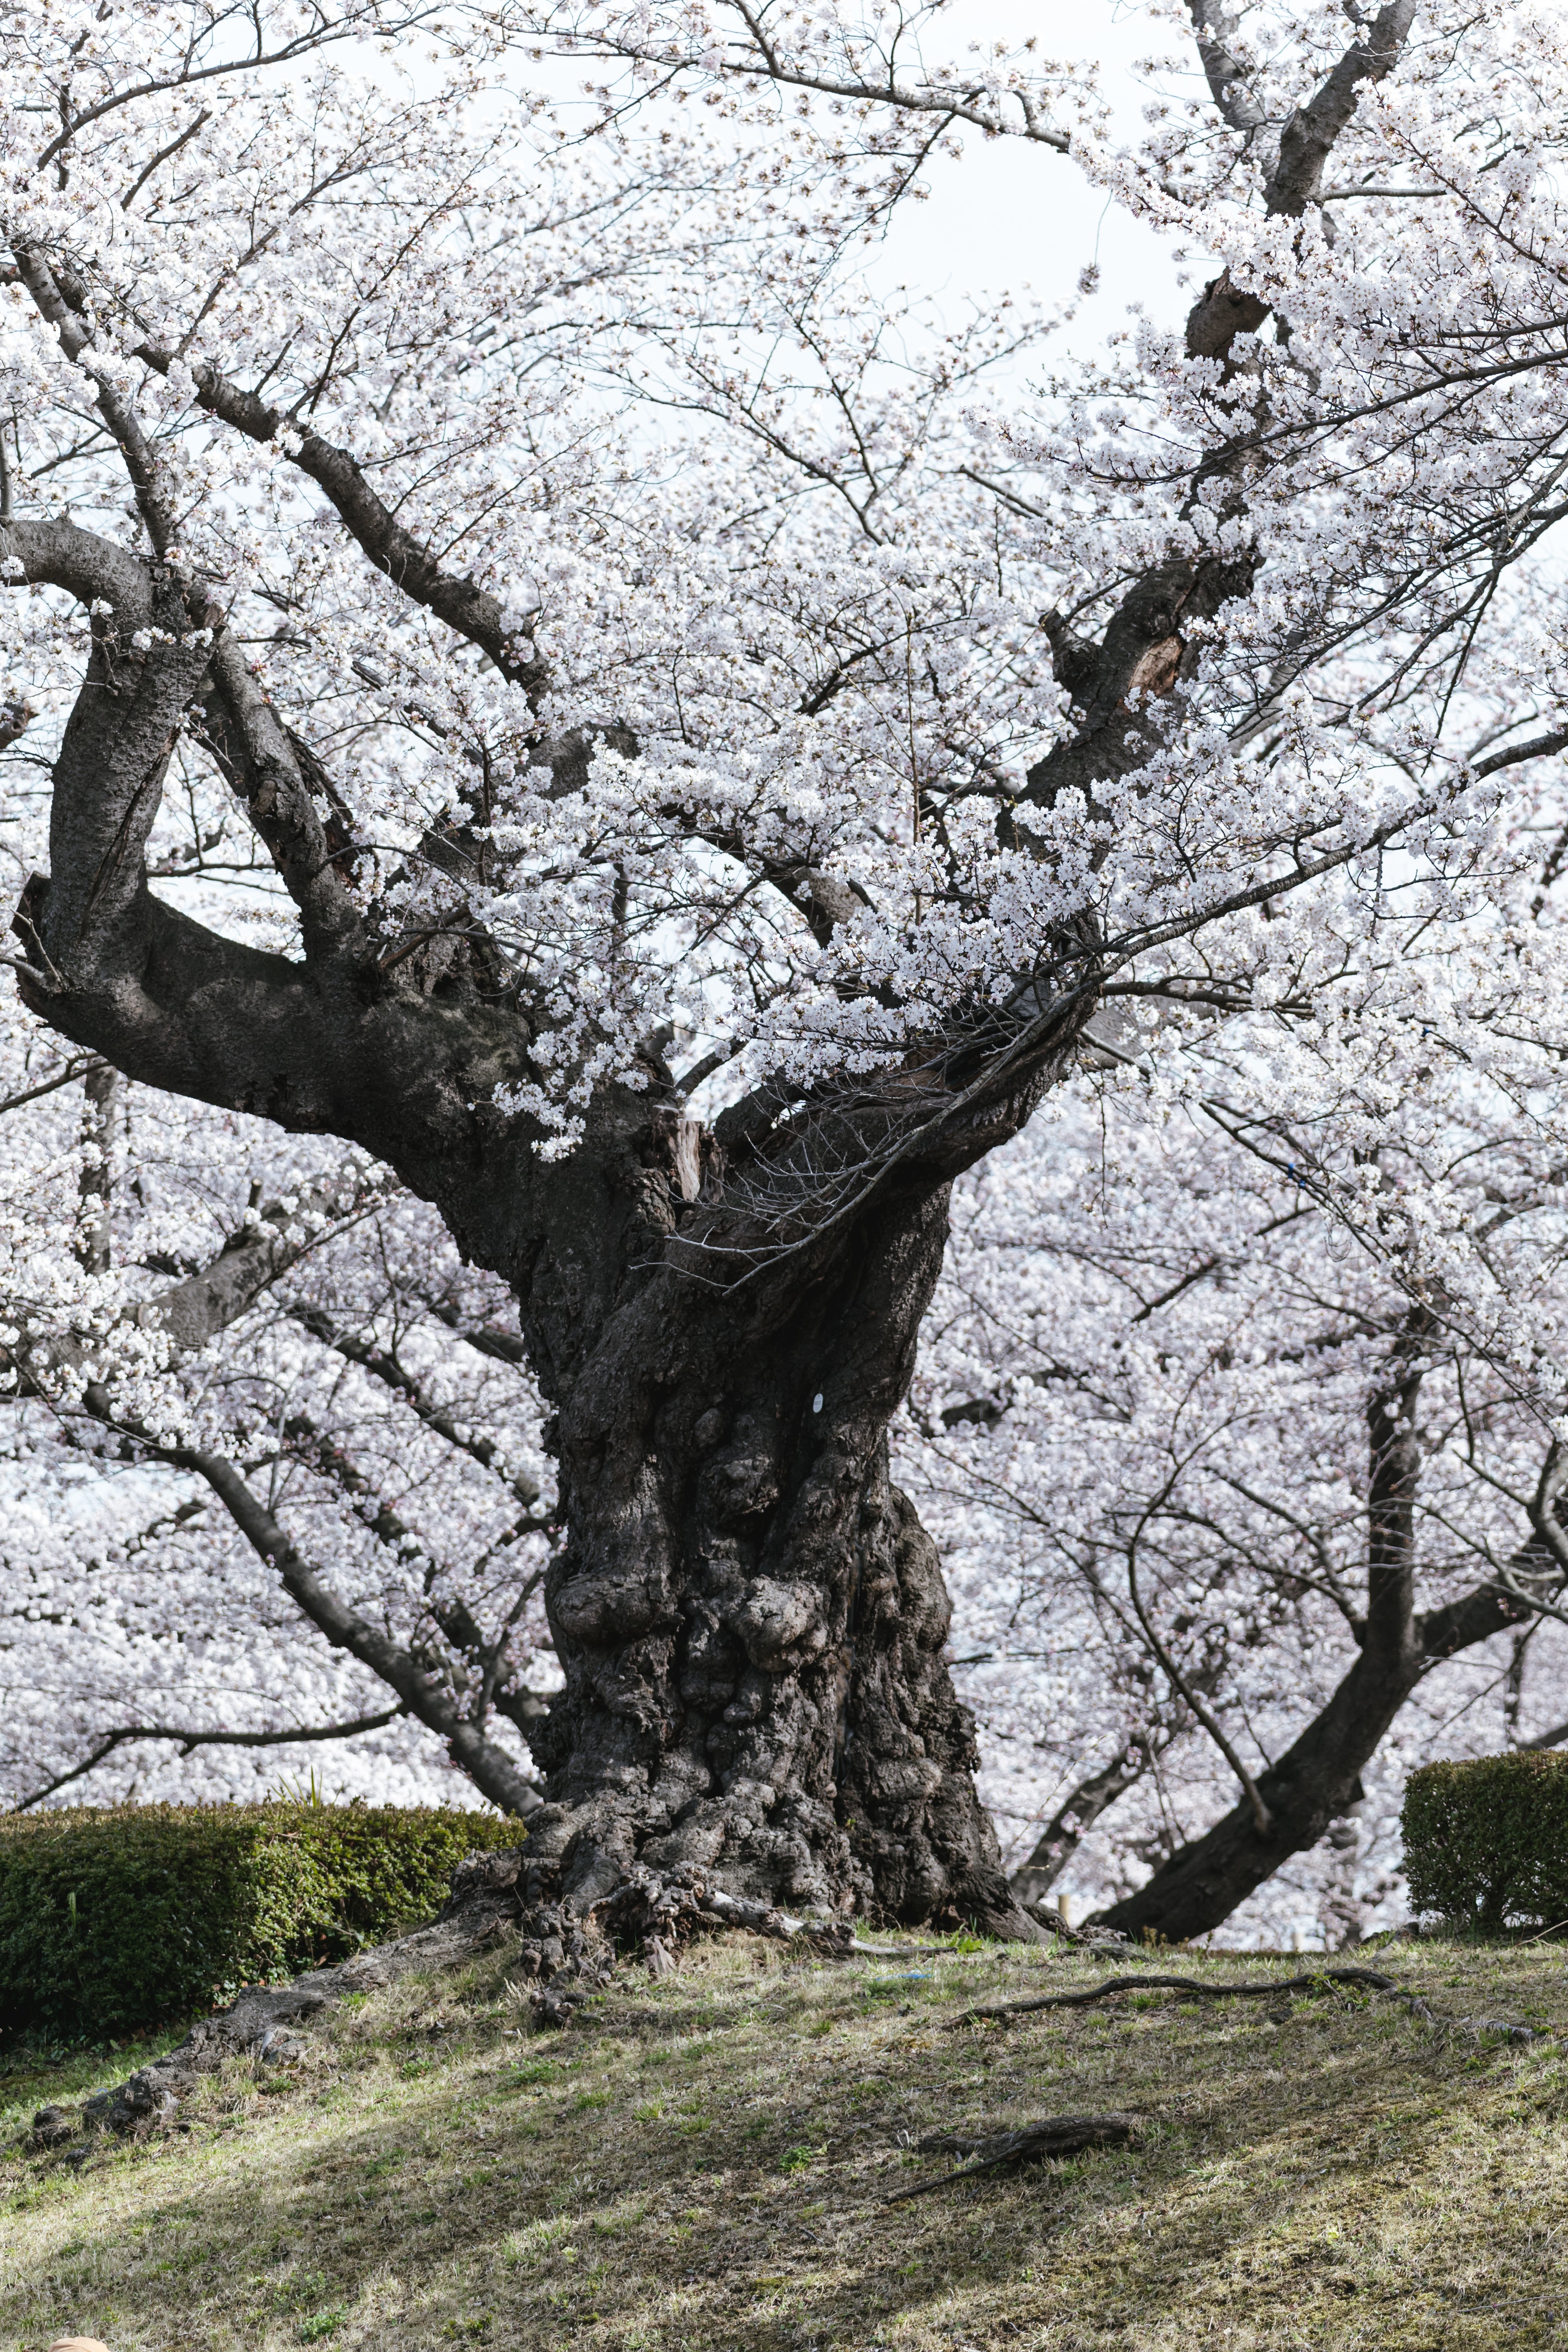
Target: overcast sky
1010	215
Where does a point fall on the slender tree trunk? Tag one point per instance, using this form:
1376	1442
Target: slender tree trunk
1313	1783
1077	1815
102	1089
1071	1822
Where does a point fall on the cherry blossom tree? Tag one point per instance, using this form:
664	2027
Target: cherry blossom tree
1241	1433
171	1626
532	692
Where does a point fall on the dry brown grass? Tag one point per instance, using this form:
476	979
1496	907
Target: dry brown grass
699	2169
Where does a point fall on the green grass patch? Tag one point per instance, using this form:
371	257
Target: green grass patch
701	2166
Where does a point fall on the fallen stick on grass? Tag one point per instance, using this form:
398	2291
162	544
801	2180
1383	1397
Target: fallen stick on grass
1318	1980
1001	2010
1030	2144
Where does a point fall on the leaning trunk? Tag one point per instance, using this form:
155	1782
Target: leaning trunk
750	1617
1318	1778
1315	1782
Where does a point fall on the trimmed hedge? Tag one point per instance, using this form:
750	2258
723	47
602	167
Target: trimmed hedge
1486	1842
120	1917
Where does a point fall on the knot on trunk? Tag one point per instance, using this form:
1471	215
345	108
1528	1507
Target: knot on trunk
774	1621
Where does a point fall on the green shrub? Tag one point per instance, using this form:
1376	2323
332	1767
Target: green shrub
118	1918
1486	1842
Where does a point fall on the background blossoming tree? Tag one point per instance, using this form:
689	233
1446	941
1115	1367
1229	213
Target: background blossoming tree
532	693
1242	1448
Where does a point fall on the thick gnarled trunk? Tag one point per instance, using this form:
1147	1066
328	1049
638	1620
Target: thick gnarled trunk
750	1616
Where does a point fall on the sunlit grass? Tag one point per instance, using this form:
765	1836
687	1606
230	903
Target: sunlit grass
700	2168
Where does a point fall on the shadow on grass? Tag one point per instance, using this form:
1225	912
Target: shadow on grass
702	2167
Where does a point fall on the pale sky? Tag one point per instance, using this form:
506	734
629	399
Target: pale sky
1011	215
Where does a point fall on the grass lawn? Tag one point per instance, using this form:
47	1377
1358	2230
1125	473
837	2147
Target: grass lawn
698	2167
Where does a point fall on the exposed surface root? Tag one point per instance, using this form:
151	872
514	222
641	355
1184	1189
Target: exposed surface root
1318	1980
660	1914
566	1958
1030	2144
256	2026
1093	1939
1001	2010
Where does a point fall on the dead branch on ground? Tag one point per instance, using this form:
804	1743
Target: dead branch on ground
1030	2144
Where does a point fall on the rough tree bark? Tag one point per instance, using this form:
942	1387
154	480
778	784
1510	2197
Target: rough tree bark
750	1617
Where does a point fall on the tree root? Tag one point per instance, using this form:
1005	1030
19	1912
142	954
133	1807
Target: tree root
567	1958
1002	2011
1473	2028
1030	2144
660	1914
256	2025
1318	1980
1108	1941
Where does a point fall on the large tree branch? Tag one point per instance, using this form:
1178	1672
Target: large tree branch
1151	644
1394	1469
1308	139
252	745
1293	159
1215	29
118	413
470	610
333	1046
168	1002
1319	1776
485	1338
58	553
108	784
178	1006
336	1049
1475	1616
262	762
191	1312
92	933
